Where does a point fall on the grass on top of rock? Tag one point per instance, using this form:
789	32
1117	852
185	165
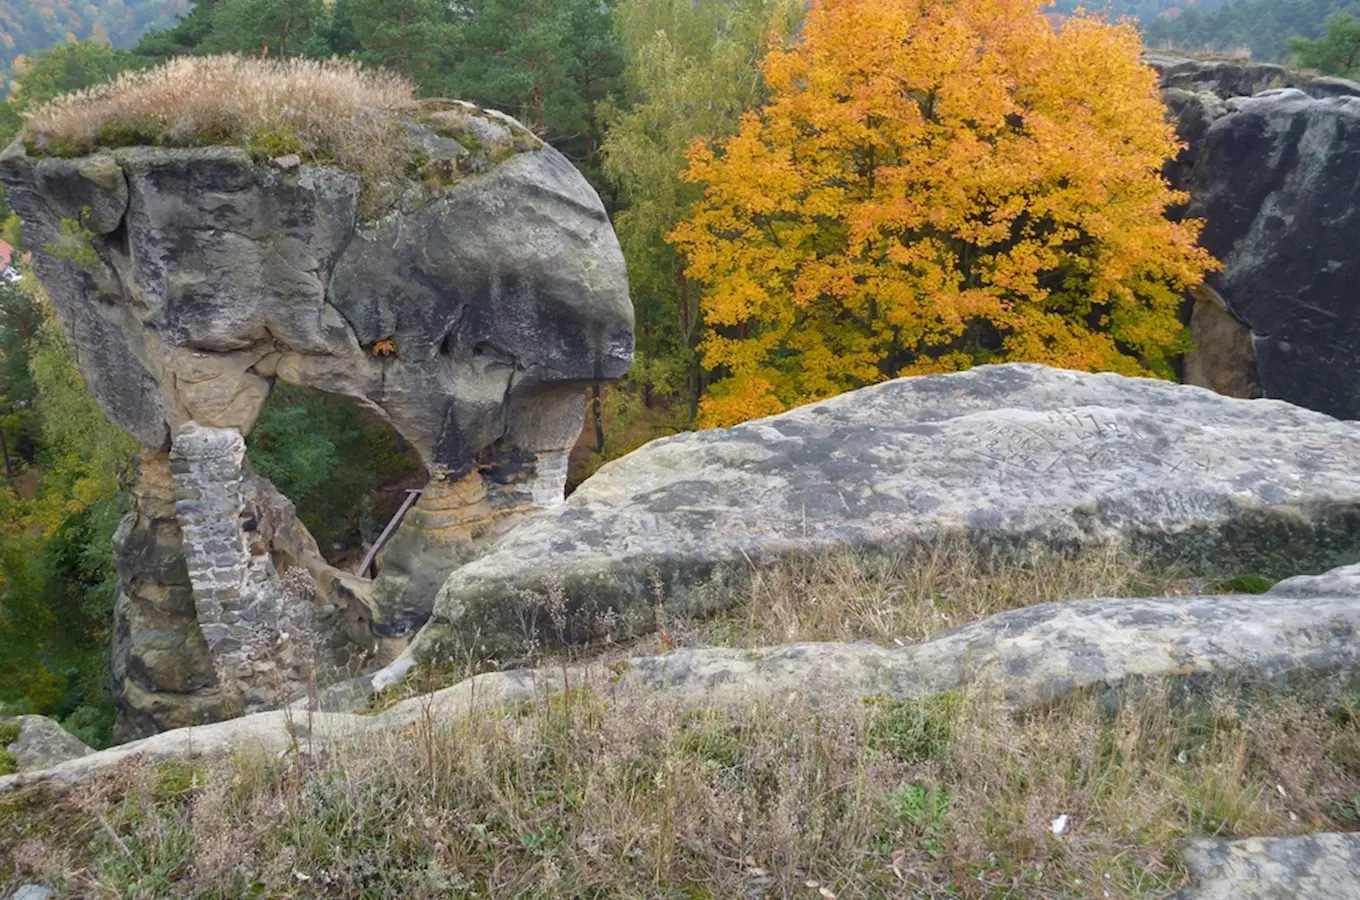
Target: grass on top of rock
890	599
578	795
329	110
910	596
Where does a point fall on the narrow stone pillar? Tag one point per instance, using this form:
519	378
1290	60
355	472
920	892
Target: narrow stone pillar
163	673
237	596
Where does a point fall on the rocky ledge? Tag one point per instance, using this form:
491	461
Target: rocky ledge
1269	163
1006	459
1306	644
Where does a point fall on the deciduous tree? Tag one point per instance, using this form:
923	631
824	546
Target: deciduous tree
692	70
1335	53
934	185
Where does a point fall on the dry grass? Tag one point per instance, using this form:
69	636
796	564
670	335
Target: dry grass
579	795
332	111
576	796
911	596
1239	54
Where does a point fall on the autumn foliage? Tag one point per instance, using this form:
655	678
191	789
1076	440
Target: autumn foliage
933	185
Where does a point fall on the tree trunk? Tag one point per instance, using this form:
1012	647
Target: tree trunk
595	414
4	451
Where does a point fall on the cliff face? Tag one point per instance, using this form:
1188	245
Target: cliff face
468	314
1270	166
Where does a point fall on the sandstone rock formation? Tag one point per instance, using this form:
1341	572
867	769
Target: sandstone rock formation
468	312
1004	457
42	743
1270	163
1321	866
1306	645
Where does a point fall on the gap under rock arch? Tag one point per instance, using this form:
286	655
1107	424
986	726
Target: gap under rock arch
345	469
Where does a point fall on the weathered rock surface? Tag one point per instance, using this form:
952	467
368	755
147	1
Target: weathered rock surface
42	743
1270	163
467	307
1315	866
1004	457
1224	354
1039	653
1275	184
1341	582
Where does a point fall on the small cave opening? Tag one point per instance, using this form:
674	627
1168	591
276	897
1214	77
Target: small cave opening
345	469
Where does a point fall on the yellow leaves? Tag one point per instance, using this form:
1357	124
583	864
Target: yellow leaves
385	347
932	185
738	400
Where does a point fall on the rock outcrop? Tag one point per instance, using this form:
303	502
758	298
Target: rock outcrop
41	743
1307	646
1270	163
468	310
1003	457
1316	866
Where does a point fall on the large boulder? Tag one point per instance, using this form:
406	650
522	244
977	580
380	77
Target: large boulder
1275	184
1269	162
466	303
40	743
1006	458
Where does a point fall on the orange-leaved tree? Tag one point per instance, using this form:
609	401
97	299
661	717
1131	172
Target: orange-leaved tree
933	184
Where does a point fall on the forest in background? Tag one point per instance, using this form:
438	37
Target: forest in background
1261	27
624	89
32	26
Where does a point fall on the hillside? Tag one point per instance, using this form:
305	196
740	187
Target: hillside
1263	26
29	26
1145	11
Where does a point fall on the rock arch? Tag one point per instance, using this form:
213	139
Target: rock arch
468	315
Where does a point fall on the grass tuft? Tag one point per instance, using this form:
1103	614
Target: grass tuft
324	111
913	595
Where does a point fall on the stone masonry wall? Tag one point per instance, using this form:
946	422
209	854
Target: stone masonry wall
255	623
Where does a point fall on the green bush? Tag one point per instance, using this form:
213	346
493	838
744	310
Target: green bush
318	450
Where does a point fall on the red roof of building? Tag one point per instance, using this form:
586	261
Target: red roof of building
7	256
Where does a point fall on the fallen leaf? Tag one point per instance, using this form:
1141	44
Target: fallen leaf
826	893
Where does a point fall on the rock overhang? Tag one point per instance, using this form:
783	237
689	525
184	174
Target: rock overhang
209	274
